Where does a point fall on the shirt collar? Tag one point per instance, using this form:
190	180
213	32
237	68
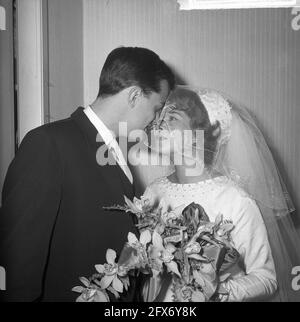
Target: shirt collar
107	135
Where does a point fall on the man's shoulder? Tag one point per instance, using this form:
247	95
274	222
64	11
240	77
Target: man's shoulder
54	128
57	130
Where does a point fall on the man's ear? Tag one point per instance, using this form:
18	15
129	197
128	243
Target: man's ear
134	93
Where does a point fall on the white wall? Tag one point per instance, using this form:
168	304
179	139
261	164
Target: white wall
65	57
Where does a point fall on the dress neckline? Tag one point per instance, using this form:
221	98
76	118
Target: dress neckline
219	178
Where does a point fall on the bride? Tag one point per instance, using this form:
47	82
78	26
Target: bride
232	174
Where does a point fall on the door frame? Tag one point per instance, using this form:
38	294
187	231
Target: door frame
32	65
7	103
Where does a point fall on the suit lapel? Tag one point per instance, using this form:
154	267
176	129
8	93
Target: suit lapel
109	171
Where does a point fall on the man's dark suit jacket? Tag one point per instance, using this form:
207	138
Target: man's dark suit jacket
53	228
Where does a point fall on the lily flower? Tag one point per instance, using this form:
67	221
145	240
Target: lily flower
162	255
111	270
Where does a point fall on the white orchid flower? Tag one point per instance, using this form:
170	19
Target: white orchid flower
145	238
111	271
161	254
90	293
138	206
139	258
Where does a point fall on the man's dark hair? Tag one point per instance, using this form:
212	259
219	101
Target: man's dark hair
133	66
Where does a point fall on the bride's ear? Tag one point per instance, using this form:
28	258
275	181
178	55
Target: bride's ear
133	95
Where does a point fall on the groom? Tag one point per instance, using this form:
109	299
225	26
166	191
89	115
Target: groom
53	227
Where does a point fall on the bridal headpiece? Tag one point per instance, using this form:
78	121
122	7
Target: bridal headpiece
218	109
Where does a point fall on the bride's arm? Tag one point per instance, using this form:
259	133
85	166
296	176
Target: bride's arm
251	240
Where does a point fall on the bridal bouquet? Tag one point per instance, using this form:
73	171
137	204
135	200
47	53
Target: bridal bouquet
184	243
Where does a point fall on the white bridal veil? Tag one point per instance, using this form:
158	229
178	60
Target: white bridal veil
243	155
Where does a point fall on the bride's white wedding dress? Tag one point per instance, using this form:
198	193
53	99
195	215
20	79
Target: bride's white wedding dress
254	277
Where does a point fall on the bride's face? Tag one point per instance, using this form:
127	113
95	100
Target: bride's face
176	120
172	131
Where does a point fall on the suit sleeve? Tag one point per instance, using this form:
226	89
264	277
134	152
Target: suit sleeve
30	203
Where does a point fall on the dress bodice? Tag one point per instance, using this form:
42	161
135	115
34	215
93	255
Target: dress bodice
254	277
218	195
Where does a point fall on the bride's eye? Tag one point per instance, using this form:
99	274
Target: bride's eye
172	116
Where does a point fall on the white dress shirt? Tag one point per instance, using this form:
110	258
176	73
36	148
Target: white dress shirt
109	139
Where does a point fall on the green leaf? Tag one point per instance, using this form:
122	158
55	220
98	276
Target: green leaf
199	279
155	272
224	229
78	289
101	297
224	277
198	257
81	299
172	267
84	281
126	282
222	290
106	281
100	269
131	205
117	285
171	248
210	289
198	296
114	292
209	275
219	219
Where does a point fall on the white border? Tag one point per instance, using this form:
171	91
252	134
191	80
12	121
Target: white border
30	66
235	4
